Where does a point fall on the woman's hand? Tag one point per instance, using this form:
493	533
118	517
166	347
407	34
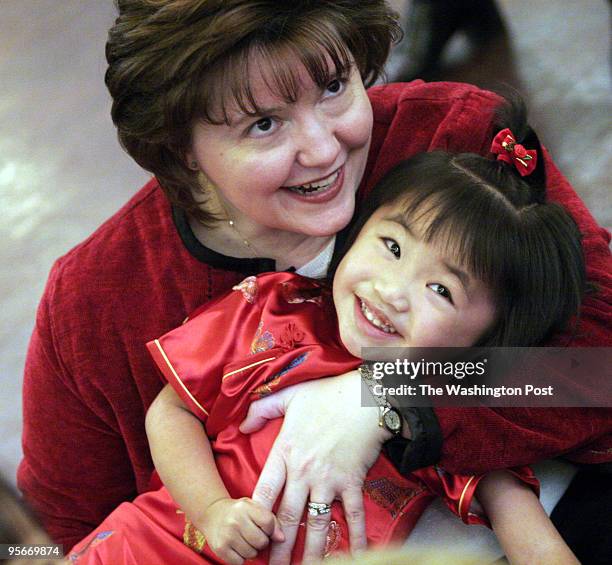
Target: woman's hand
326	445
237	529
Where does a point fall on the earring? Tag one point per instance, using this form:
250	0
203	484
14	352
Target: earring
193	165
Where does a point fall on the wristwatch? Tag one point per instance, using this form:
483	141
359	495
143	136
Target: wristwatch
388	417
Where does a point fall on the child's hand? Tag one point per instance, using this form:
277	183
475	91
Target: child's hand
237	529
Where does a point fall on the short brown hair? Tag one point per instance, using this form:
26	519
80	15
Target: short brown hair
169	59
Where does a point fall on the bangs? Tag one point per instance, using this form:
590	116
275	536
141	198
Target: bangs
471	223
227	89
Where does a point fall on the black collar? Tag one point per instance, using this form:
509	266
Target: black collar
213	258
220	261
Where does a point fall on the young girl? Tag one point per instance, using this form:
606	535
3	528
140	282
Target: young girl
449	250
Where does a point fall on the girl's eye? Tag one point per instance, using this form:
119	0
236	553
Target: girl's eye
263	127
442	291
392	246
335	86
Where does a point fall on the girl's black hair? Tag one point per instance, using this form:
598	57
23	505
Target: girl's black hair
499	226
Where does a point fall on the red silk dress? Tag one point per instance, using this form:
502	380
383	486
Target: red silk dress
270	332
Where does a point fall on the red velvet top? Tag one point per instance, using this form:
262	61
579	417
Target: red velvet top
89	378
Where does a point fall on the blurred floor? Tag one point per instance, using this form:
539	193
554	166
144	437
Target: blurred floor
62	172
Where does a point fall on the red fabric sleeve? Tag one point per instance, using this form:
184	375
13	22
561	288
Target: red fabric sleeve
458	491
71	480
192	356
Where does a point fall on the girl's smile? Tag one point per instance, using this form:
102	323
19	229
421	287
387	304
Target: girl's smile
374	317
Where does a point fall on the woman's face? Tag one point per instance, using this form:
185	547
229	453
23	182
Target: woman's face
392	289
296	166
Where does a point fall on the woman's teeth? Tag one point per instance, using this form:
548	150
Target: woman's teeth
387	328
318	186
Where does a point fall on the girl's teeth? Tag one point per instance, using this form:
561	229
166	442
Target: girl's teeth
309	188
387	328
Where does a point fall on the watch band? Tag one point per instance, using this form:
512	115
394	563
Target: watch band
425	446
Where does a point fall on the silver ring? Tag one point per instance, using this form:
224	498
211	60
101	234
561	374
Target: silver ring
318	508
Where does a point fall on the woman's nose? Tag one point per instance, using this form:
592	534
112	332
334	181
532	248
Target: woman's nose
318	145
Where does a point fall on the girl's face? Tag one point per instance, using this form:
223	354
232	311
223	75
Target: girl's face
296	166
394	290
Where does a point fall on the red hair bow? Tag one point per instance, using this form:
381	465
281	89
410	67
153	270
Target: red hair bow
507	149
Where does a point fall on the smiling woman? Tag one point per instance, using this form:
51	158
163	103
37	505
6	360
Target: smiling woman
279	48
253	117
301	161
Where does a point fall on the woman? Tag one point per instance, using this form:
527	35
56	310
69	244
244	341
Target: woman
254	119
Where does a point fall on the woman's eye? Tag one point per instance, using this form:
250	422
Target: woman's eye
392	246
442	291
263	127
335	86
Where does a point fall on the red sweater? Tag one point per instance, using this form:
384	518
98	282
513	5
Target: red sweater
89	379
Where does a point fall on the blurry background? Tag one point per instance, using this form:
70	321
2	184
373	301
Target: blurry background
62	171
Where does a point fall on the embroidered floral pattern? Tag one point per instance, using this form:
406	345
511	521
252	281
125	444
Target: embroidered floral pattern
389	494
266	388
290	336
304	291
271	382
334	535
99	538
193	538
262	341
333	538
248	287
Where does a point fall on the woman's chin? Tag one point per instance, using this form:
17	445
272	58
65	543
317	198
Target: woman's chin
326	223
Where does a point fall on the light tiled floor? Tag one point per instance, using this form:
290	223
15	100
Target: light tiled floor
62	172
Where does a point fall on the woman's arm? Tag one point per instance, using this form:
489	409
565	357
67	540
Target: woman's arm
76	467
520	523
235	529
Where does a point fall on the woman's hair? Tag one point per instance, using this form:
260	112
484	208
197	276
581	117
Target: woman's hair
499	226
173	62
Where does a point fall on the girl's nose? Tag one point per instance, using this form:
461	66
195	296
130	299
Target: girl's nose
393	294
318	146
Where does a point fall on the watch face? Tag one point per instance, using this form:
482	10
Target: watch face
393	421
